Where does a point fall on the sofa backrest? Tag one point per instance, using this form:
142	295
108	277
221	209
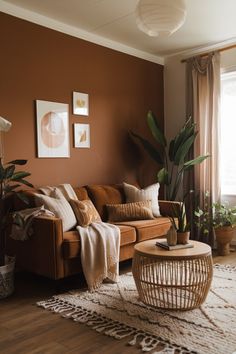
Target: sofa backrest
99	194
105	194
18	204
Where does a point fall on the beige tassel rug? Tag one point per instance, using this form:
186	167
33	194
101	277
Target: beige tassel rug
114	310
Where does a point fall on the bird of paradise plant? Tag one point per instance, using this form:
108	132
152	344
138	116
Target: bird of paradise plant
173	157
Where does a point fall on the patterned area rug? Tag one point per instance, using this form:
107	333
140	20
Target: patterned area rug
115	311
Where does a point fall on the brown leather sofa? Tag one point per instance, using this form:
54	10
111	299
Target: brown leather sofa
54	254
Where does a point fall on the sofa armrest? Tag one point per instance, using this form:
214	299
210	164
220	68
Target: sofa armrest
167	207
42	253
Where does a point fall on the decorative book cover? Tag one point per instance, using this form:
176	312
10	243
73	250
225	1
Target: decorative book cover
165	245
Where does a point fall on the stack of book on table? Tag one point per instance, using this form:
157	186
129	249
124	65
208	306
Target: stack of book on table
165	245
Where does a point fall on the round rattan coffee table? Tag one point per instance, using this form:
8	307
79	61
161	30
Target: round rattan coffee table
174	280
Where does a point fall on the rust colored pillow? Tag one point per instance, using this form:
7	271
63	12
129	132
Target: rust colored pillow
130	211
85	212
105	194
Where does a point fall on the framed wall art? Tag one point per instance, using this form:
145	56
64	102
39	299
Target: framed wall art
80	103
52	129
82	135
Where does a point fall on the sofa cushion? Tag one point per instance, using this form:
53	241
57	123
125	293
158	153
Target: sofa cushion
85	212
58	204
147	229
105	194
134	194
71	241
81	193
130	211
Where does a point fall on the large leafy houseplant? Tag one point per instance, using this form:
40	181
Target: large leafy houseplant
10	180
173	158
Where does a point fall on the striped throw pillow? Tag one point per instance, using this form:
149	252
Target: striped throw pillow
130	211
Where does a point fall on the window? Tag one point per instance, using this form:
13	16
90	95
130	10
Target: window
228	134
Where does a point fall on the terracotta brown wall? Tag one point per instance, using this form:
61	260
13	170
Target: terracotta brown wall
39	63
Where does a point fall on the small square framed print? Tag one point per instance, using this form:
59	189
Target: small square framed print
80	103
82	135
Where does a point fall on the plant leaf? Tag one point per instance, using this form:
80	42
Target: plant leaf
9	171
171	150
17	162
189	164
19	175
183	150
23	181
151	150
186	131
155	130
10	188
22	197
2	172
162	176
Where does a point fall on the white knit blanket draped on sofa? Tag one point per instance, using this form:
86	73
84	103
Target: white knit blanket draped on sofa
100	246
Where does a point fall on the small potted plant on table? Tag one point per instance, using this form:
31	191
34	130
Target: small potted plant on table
180	224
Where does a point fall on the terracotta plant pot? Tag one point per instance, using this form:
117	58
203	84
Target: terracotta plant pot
224	236
183	237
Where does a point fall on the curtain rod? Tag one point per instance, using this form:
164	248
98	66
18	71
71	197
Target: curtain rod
219	50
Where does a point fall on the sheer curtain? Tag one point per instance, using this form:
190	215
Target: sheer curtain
203	100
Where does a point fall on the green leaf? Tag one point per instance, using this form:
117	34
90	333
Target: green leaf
19	175
10	188
155	130
162	176
171	150
151	150
189	164
2	172
17	162
9	171
22	197
183	150
186	131
23	181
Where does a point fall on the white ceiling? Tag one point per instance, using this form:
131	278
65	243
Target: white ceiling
208	22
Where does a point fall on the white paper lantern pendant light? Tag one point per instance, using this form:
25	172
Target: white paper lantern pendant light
160	17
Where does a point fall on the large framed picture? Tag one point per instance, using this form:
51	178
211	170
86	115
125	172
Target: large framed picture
52	129
80	103
82	135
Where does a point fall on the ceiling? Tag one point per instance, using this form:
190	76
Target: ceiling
208	22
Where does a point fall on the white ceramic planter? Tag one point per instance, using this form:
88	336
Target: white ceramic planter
7	277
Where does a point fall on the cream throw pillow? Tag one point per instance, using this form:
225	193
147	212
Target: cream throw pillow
130	211
134	194
58	204
85	212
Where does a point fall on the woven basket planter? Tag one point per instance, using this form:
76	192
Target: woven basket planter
7	277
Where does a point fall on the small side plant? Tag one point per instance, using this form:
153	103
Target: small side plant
178	219
214	215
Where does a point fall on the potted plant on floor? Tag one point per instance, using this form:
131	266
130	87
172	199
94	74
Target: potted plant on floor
10	180
222	219
224	222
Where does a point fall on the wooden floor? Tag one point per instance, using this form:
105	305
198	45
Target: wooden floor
27	329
